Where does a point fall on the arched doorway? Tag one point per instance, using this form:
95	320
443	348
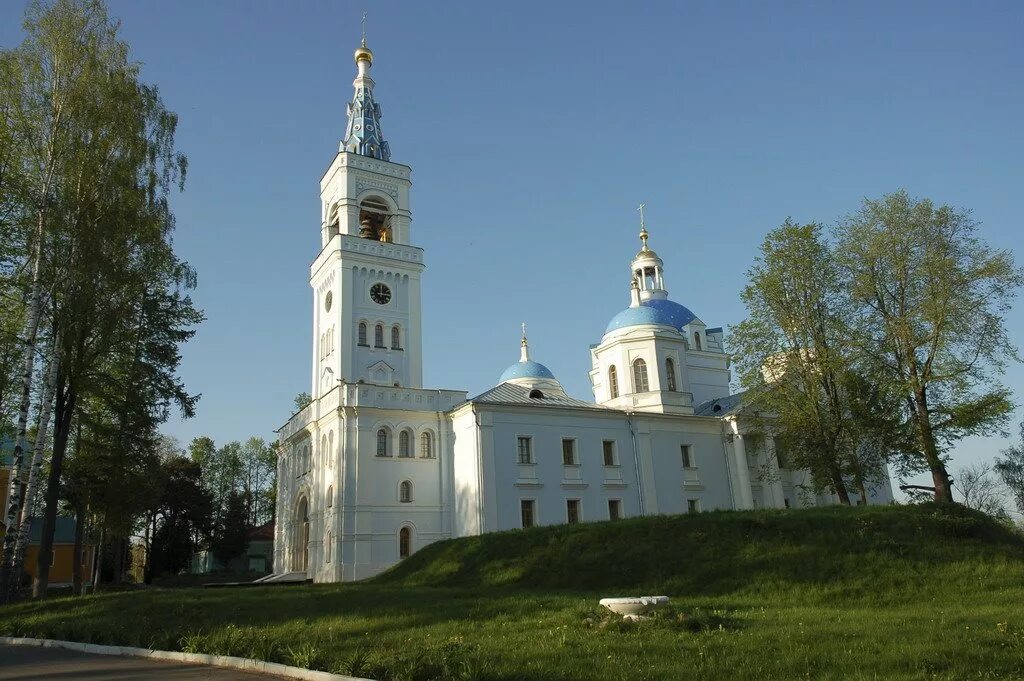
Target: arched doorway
300	554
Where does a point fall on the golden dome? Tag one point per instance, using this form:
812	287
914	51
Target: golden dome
646	254
363	53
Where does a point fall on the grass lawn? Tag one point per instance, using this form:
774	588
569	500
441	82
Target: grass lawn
878	593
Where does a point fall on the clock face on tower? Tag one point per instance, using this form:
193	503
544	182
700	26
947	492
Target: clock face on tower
380	294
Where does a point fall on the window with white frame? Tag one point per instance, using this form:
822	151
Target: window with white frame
670	374
404	542
404	445
569	452
572	511
396	338
528	512
608	451
613	382
382	442
640	384
405	492
426	445
614	509
686	452
378	336
525	445
693	505
362	334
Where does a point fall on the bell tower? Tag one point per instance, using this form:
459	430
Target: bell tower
366	278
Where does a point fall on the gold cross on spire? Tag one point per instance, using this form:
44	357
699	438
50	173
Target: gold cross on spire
364	29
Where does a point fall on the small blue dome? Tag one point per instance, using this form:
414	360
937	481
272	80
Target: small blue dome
527	369
654	311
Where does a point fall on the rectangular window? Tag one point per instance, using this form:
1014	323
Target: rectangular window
614	509
693	505
687	452
526	512
608	447
572	511
525	450
568	451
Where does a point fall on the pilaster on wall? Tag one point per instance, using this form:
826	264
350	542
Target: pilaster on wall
645	458
741	469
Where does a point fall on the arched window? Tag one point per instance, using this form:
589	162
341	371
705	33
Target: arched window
696	340
640	384
404	448
382	442
362	333
330	449
405	492
404	542
378	336
426	446
330	496
323	448
670	373
396	338
613	382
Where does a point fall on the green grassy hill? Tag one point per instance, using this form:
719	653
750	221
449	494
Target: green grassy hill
921	592
719	552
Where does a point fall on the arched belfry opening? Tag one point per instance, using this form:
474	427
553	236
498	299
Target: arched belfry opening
333	222
375	219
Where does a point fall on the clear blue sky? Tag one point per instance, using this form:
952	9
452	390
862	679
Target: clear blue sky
533	130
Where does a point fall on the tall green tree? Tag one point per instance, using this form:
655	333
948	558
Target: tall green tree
931	296
791	352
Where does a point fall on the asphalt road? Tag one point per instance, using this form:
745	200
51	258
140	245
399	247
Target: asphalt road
33	662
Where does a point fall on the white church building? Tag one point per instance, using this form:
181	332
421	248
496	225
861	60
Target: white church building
378	466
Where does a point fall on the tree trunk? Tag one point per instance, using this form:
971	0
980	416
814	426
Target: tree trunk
76	569
97	561
940	477
840	486
9	580
32	488
64	408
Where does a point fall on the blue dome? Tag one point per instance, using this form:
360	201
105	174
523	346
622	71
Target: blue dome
654	311
527	369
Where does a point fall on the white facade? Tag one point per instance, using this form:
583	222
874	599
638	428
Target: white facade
377	466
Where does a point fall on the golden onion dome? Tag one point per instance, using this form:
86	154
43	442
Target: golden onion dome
646	254
363	53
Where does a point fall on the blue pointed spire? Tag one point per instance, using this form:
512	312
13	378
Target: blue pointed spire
363	135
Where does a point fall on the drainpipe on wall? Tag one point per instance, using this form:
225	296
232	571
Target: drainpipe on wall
479	472
636	463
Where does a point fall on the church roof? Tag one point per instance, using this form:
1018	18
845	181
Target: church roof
63	531
513	394
722	406
654	311
526	369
